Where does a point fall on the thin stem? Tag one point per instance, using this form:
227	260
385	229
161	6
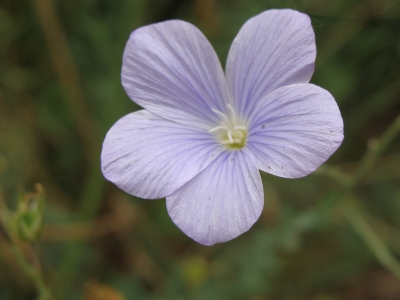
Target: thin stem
75	100
385	231
340	33
352	213
375	150
67	73
335	174
90	202
373	241
33	272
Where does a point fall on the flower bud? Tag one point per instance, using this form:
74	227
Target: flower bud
25	223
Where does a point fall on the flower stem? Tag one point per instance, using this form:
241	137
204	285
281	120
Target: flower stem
334	173
375	150
34	273
67	73
351	211
376	147
69	77
373	241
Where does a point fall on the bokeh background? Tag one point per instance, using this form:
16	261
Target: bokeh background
332	235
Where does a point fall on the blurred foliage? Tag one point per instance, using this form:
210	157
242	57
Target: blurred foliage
60	92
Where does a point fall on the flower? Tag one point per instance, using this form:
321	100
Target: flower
202	136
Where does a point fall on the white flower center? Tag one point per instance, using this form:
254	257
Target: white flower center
231	132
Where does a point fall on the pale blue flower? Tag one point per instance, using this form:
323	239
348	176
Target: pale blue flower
202	136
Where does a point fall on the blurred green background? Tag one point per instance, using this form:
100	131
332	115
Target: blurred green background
332	235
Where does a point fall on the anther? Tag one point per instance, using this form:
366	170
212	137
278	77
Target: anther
228	133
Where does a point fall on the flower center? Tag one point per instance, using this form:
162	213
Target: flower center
231	132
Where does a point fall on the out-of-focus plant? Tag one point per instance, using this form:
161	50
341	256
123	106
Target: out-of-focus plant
60	91
22	227
351	205
26	222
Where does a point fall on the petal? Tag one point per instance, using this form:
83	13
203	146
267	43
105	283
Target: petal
222	202
274	49
151	157
294	130
171	69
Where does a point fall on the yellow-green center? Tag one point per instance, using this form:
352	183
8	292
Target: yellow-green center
231	132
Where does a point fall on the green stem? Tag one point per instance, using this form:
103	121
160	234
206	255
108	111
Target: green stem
90	202
75	101
385	231
33	272
335	174
368	160
375	150
67	73
373	241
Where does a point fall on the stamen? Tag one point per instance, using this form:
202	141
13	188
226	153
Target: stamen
230	132
230	136
218	112
225	117
217	128
232	110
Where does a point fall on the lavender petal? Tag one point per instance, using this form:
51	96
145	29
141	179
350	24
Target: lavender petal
294	130
220	203
273	49
150	157
171	69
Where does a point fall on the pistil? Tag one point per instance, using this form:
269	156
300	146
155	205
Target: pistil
232	132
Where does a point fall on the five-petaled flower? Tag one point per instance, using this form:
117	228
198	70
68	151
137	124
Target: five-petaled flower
202	136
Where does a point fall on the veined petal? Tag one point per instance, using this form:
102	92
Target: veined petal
171	69
274	49
220	203
151	157
294	130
